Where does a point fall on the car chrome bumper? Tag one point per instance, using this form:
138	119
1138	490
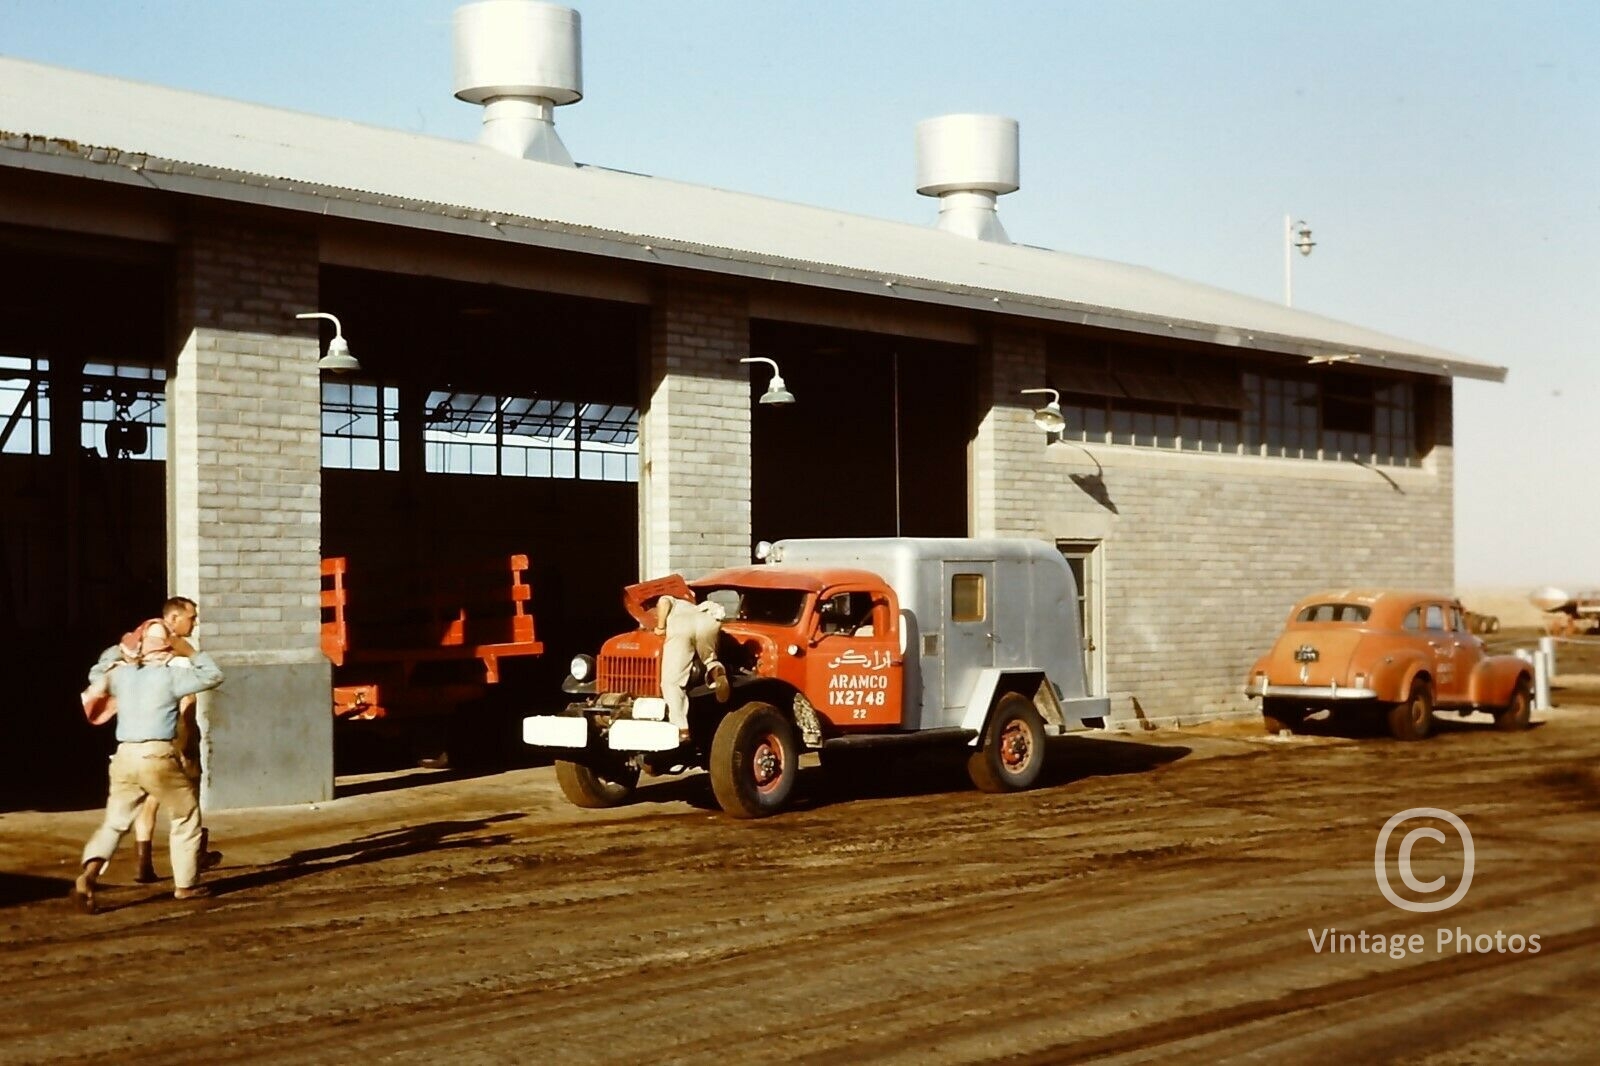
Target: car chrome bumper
1309	692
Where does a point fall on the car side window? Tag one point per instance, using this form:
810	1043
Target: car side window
1459	618
1413	619
1436	617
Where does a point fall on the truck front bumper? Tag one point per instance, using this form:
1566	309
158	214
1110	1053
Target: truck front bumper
570	731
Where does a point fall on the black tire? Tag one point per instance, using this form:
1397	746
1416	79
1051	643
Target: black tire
1519	712
1412	718
1012	753
1278	714
755	758
587	787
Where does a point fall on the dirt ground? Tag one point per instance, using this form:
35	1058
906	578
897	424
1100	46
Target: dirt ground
1157	901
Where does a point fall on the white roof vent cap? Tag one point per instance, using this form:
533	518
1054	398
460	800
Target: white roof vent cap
522	60
967	161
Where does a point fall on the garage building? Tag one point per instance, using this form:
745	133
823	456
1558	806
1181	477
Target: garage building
550	364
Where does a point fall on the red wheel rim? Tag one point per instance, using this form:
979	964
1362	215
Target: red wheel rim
766	764
1016	746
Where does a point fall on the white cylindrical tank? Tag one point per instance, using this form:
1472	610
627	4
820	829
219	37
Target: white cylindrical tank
518	48
521	59
967	153
966	161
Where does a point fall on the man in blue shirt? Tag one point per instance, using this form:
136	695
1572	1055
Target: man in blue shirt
148	763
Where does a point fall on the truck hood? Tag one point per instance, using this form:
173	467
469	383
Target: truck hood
640	600
1334	646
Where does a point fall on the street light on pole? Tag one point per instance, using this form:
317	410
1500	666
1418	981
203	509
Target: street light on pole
1295	235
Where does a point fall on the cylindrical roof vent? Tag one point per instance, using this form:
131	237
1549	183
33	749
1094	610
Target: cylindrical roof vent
966	161
521	59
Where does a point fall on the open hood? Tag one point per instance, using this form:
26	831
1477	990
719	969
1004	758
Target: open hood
640	600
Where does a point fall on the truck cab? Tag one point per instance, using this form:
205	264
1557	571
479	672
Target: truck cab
841	647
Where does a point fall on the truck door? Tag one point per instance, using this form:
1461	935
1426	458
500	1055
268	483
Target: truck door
968	616
855	667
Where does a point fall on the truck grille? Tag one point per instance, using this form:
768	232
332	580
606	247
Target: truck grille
637	675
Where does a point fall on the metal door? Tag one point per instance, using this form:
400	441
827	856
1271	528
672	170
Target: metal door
968	616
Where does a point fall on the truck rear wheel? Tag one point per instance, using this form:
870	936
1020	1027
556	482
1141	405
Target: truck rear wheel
1412	718
1012	755
755	758
586	787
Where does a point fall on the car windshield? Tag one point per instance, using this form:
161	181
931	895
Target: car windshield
1335	612
773	607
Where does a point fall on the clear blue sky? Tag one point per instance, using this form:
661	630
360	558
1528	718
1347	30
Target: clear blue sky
1445	152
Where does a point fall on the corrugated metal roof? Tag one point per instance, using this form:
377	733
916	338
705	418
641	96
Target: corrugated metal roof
70	122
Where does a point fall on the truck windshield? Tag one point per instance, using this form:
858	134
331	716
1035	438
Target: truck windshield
1335	612
773	607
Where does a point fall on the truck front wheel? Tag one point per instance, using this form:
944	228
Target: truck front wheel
755	758
587	787
1012	755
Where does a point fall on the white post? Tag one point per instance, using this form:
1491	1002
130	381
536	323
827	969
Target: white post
1541	681
1547	648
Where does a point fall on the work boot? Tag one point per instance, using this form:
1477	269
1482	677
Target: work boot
717	678
192	892
207	858
147	867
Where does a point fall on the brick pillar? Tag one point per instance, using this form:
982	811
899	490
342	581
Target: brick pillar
1007	447
244	488
694	481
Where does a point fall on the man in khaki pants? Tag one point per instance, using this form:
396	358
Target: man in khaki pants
690	629
148	763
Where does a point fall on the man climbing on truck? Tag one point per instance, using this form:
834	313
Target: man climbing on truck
689	630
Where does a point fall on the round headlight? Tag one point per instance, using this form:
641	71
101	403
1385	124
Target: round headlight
582	667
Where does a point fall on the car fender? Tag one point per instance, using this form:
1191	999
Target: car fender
1493	679
1392	675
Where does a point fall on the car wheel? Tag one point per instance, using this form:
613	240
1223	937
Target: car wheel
755	758
1412	718
1519	711
585	786
1279	714
1012	755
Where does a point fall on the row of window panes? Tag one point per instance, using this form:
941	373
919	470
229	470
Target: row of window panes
114	395
360	427
1280	421
24	405
123	394
473	433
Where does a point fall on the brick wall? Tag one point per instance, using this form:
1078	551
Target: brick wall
1203	555
695	434
244	502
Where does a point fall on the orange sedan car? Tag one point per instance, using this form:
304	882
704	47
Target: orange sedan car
1386	652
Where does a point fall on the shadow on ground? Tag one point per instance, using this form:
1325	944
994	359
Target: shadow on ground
887	773
375	847
16	889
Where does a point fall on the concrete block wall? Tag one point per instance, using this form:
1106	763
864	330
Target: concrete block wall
694	481
1203	555
245	504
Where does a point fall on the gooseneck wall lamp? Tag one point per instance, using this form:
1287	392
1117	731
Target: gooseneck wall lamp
1049	417
339	360
777	392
